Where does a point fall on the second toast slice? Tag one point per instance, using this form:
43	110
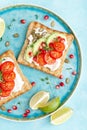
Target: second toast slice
12	81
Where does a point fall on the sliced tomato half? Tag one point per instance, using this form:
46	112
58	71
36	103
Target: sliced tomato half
55	54
9	76
7	86
59	46
4	93
40	59
49	59
7	66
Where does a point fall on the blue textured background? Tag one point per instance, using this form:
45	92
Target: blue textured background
74	13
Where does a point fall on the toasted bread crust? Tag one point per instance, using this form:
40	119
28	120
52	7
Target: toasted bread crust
26	86
69	38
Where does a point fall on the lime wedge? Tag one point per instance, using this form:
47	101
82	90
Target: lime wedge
2	27
61	115
39	99
51	105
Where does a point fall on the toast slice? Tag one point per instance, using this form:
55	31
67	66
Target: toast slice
12	81
38	32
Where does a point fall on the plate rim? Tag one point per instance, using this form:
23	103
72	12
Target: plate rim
80	61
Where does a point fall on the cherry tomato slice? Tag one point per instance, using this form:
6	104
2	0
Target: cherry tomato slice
7	86
55	54
59	46
9	76
40	59
48	59
7	66
4	93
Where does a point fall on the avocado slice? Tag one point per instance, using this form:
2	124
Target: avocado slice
26	54
37	44
51	37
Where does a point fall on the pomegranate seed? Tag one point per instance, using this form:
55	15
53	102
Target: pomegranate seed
59	38
46	17
40	48
43	51
61	77
57	86
71	56
61	84
33	83
9	110
62	40
23	21
30	53
14	107
43	44
27	111
25	114
74	73
35	58
51	45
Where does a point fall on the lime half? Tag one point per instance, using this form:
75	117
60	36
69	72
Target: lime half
61	115
39	99
51	105
2	27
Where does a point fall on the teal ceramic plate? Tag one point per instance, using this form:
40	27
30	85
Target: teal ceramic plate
12	16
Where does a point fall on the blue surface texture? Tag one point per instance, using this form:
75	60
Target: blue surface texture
74	13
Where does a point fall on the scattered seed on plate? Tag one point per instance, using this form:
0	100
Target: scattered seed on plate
3	108
61	76
15	35
7	43
74	73
33	84
71	56
66	60
57	86
67	80
14	107
23	21
27	111
25	114
9	110
52	24
46	17
61	84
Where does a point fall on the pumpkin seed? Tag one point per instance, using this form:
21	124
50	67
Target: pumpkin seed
67	80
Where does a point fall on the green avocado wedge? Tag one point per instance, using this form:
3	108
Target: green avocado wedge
37	45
